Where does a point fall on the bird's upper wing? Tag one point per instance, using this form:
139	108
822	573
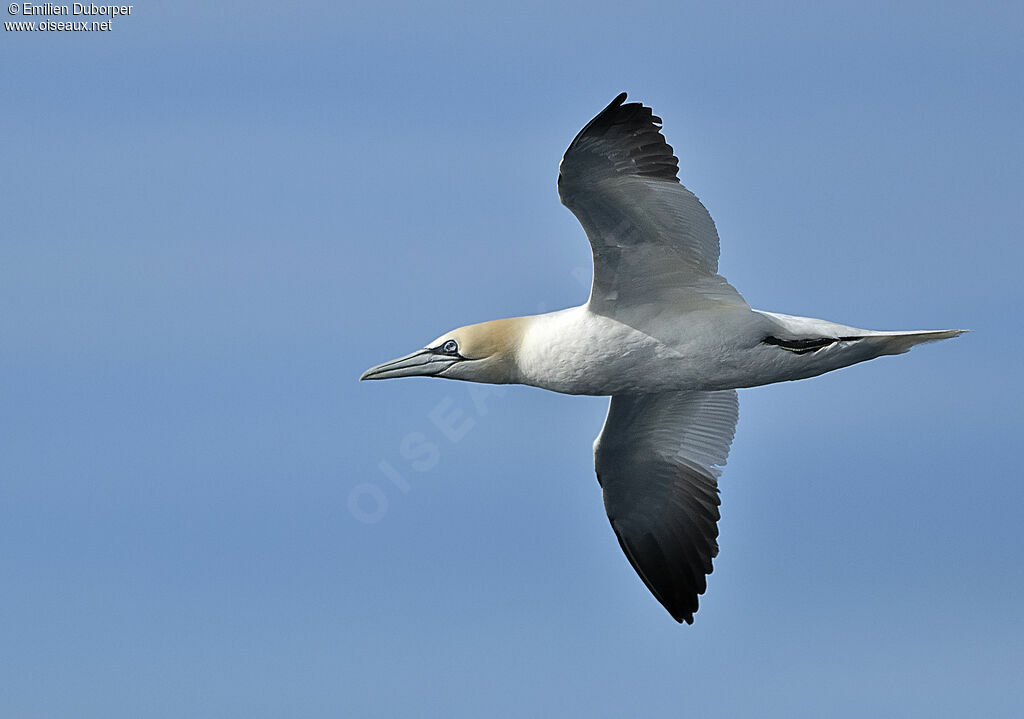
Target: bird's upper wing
652	239
658	458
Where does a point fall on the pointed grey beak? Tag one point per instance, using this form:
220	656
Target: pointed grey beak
422	363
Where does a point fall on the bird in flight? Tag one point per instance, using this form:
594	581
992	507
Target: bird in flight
665	336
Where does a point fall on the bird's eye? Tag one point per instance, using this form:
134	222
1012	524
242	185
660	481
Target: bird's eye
451	347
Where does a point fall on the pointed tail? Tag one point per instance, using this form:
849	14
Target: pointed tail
900	342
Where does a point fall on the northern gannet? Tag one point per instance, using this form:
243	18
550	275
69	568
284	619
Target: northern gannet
665	336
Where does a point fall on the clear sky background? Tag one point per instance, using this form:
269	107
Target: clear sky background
217	215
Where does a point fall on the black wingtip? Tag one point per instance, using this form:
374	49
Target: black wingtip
680	615
624	138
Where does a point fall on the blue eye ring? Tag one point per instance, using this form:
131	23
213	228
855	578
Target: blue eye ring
451	347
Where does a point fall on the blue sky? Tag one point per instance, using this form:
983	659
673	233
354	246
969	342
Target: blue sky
217	215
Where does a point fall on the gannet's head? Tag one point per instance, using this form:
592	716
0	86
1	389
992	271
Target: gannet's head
484	352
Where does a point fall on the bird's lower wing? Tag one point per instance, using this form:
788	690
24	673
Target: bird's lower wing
658	458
